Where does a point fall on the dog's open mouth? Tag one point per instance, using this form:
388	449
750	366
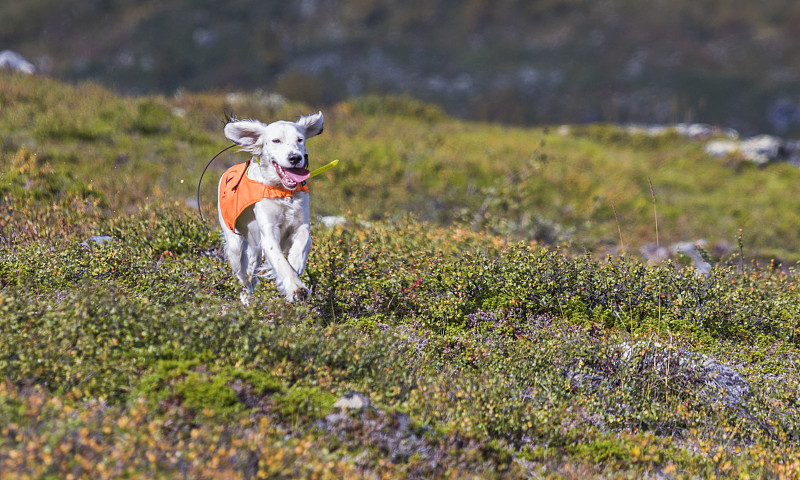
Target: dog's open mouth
291	177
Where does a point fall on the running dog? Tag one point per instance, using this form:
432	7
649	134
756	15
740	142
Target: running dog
264	204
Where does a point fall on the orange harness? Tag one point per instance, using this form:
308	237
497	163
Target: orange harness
234	199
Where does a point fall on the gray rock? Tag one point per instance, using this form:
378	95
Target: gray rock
649	130
352	401
692	251
724	380
690	130
654	253
331	221
696	130
722	148
16	62
96	240
761	149
715	381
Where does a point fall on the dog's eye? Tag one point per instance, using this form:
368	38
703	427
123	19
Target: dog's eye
299	139
276	140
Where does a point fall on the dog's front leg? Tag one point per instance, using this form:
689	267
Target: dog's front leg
286	278
300	245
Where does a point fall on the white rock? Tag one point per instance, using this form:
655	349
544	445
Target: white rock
330	221
691	250
721	148
16	62
761	149
352	401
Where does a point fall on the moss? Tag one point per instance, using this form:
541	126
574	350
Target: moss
201	386
603	451
262	382
304	403
200	391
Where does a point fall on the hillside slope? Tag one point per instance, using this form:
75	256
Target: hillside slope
429	349
400	156
732	63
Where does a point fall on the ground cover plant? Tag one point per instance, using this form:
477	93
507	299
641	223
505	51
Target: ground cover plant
477	349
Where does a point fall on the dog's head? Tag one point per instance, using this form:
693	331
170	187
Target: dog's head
279	146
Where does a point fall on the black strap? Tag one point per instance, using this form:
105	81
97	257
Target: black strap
246	166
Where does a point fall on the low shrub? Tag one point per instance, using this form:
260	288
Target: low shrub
124	349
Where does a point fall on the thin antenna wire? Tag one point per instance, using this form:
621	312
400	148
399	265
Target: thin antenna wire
199	209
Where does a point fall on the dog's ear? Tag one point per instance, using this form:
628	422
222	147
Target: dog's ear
246	133
311	124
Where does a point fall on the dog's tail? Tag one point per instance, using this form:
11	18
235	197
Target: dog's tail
199	208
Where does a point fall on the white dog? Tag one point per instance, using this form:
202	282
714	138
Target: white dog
264	205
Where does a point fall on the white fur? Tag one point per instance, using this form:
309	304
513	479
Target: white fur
272	226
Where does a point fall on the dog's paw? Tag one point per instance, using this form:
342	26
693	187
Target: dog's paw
300	295
245	297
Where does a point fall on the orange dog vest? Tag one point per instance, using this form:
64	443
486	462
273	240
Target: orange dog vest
233	200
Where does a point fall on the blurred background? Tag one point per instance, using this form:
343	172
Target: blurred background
732	63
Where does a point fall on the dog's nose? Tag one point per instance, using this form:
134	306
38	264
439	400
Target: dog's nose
295	158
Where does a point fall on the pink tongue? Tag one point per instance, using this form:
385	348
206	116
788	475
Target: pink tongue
297	174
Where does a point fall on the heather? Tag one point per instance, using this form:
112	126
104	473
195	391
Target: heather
485	295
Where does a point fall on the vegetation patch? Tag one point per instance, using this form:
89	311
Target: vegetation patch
305	402
124	350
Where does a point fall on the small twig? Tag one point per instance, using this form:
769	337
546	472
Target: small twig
622	253
740	244
658	246
619	229
655	211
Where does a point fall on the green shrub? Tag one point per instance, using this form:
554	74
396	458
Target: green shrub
198	392
28	179
152	118
405	106
304	403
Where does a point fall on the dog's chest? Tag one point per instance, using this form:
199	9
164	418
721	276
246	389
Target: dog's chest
283	214
291	210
